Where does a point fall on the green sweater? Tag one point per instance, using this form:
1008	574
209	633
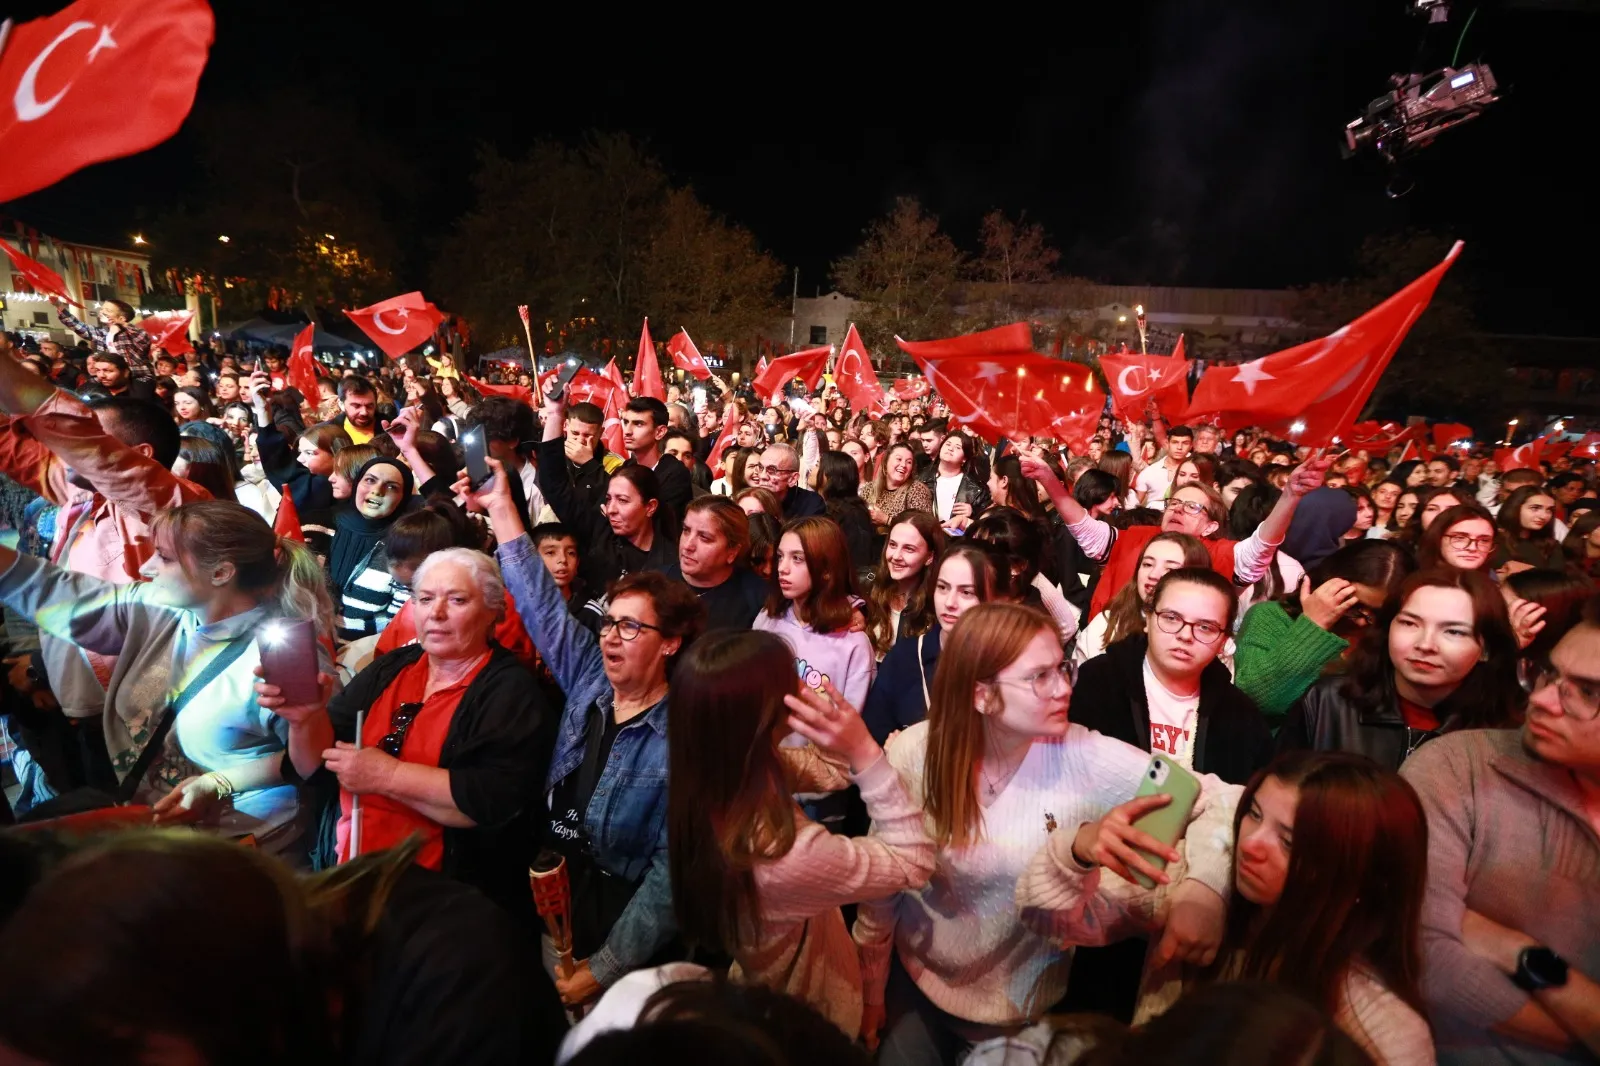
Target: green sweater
1278	658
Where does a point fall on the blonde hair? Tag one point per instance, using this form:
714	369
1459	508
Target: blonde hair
987	639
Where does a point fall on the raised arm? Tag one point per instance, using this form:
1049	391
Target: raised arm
1095	536
83	610
1253	555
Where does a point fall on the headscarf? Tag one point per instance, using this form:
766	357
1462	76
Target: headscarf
1320	522
354	533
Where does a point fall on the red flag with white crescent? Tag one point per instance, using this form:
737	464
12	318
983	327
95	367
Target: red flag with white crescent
303	370
1136	381
1522	457
1315	391
646	368
1017	395
761	366
856	377
615	375
685	355
725	440
611	431
398	324
98	80
42	278
807	365
169	331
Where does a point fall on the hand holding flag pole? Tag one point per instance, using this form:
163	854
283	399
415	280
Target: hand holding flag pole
533	358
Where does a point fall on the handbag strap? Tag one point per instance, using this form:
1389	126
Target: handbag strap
922	668
219	662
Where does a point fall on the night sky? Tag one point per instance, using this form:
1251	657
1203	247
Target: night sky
1179	142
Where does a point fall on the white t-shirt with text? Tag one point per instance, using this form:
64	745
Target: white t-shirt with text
1172	719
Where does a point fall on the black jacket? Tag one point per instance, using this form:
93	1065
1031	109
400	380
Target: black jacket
802	503
1325	719
860	535
896	698
969	491
312	493
677	489
1231	739
588	481
497	750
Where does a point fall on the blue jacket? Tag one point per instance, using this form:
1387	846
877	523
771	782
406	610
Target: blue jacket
627	816
896	700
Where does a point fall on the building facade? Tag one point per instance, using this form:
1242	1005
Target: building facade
91	272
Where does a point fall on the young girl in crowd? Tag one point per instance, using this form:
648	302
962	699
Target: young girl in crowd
809	607
358	565
1285	645
1164	690
966	574
1462	537
1527	523
897	602
1385	501
183	727
1335	918
1022	541
958	496
1447	660
1125	615
996	767
895	489
751	875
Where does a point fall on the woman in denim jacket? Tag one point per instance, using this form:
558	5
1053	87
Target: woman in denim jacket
608	776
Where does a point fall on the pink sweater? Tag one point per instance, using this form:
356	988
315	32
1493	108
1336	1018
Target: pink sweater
805	949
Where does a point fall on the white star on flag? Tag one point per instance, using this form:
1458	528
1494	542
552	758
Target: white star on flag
1250	375
991	372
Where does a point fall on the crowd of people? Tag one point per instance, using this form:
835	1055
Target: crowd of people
837	730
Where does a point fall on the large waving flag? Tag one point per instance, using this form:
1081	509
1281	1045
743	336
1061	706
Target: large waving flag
1136	381
646	370
855	376
685	355
42	278
98	80
303	369
807	366
398	324
1314	392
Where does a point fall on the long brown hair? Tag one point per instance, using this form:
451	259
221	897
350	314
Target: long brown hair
1353	892
729	805
986	640
1430	545
1125	612
827	606
917	616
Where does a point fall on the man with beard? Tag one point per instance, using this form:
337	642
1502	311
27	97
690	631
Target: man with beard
358	404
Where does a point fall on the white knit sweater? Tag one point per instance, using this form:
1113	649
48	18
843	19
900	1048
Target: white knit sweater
961	938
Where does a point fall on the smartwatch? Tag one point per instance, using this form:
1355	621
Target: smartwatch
1538	968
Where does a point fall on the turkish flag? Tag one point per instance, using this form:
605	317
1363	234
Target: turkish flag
1375	437
807	366
42	278
1017	395
761	366
99	80
1139	380
1447	433
611	431
399	323
911	388
855	376
725	440
1015	339
611	372
1589	446
1313	392
1177	349
286	523
686	355
1522	457
303	370
646	370
169	331
520	393
586	386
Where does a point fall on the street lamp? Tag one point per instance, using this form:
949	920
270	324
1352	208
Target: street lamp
139	239
224	238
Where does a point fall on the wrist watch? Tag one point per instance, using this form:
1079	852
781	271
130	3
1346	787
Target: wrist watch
1539	967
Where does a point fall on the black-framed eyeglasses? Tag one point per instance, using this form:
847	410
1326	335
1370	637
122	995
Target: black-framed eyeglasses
627	628
1362	615
1463	541
1174	623
1580	700
399	726
1188	506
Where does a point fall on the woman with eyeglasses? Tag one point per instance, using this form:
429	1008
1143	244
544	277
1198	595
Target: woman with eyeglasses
1164	690
995	767
1462	537
1446	660
451	738
607	781
1125	616
1284	645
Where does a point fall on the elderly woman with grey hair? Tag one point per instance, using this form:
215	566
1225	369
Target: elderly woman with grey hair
452	743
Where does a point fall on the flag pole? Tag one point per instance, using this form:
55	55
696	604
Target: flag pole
355	797
533	357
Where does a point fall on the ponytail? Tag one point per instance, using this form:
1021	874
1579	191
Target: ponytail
302	587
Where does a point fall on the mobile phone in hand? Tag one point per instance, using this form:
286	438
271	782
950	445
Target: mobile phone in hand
1164	777
569	370
477	453
289	660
